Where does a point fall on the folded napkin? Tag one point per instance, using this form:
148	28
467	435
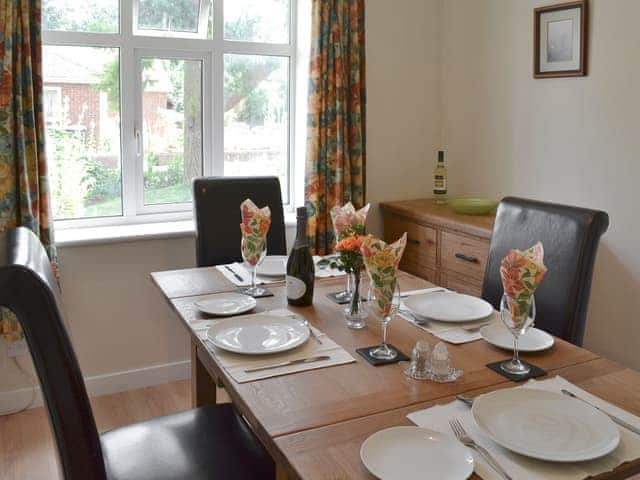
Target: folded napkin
235	364
455	333
347	218
521	273
254	227
524	468
381	261
240	269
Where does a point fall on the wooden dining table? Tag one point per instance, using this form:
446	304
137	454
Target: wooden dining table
314	422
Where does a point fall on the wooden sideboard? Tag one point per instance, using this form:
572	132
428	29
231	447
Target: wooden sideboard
443	247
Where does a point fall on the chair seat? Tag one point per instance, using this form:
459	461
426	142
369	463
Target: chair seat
210	442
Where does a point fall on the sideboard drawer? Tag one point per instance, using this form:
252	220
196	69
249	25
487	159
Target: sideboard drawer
460	283
421	242
464	255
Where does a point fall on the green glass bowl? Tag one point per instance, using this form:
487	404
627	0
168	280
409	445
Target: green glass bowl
473	206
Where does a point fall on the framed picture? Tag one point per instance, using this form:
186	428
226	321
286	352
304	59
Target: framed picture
560	40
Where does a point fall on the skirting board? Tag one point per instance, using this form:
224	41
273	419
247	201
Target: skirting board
106	384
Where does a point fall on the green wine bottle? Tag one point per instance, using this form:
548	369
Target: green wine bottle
300	268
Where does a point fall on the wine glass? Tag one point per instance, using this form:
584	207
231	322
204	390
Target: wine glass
253	254
383	305
518	316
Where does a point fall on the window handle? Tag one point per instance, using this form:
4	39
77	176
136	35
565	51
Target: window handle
138	136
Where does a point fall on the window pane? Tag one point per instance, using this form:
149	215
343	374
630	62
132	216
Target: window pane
171	128
191	17
256	118
82	113
97	16
256	20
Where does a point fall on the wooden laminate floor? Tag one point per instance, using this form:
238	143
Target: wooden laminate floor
27	451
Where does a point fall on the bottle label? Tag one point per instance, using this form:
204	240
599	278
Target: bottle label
296	288
440	184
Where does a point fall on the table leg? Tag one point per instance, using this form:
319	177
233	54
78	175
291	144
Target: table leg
203	387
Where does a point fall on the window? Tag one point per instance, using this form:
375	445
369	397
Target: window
140	96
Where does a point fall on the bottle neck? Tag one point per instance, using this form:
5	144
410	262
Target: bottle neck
301	233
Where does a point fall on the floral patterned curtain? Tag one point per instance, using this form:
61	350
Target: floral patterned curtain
335	164
24	193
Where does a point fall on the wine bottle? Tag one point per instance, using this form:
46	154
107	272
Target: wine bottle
300	268
440	181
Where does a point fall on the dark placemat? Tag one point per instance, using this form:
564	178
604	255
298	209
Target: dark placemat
534	373
364	352
335	299
267	293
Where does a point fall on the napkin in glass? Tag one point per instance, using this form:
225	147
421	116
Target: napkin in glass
381	261
346	218
521	273
254	227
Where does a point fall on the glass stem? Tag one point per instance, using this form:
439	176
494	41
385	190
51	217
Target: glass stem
516	357
253	278
384	333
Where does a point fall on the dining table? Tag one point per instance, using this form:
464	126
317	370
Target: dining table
314	422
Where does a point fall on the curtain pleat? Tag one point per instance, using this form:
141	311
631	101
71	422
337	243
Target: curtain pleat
336	119
24	191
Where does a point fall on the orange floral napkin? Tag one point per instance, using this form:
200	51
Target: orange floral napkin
522	272
381	261
254	227
346	218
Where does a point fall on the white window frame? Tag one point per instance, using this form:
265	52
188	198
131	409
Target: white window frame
211	52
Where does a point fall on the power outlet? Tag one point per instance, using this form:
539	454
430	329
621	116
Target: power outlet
15	349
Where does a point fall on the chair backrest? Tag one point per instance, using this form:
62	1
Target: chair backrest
217	211
28	288
570	236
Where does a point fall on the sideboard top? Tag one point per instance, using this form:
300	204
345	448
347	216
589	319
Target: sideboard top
425	211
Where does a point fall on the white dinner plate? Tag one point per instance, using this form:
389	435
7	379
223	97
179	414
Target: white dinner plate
411	452
225	304
545	425
273	266
534	340
259	334
448	306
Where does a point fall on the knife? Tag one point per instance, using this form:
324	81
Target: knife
238	277
617	420
290	362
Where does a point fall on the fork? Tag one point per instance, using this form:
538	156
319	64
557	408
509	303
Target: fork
467	441
306	323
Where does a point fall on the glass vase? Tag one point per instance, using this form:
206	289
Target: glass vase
355	312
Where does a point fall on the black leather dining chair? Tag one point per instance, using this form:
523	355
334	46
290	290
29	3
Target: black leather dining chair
217	212
210	442
570	237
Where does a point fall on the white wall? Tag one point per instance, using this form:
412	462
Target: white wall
403	108
119	321
571	140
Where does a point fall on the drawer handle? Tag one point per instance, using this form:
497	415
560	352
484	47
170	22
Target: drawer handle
467	258
413	241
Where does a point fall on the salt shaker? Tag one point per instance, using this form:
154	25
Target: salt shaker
441	370
420	361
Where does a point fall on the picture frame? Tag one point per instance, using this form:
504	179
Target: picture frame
560	40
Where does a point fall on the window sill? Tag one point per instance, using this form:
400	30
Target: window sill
83	236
